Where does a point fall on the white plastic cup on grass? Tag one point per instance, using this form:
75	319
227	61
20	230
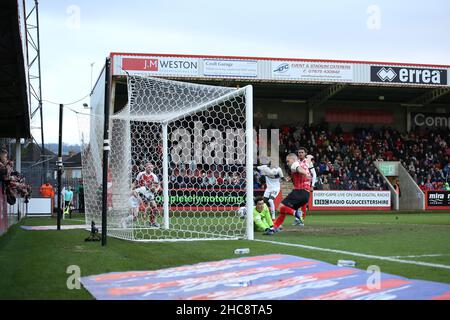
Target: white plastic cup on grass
242	251
346	263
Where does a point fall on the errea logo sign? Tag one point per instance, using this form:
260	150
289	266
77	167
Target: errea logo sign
386	74
408	75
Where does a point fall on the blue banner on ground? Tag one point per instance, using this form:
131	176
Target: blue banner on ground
265	277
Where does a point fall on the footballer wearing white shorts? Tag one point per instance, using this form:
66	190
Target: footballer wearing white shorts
273	175
148	184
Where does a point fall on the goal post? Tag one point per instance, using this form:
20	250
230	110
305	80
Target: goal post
165	139
249	160
193	144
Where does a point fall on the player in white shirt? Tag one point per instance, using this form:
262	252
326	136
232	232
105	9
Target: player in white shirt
273	176
147	185
134	202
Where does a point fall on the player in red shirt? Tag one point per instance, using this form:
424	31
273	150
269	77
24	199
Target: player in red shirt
301	178
303	157
147	185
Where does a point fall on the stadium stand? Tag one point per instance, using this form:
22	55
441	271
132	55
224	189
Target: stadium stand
344	160
14	105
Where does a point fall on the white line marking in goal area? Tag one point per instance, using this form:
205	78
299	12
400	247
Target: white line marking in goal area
392	223
422	255
356	254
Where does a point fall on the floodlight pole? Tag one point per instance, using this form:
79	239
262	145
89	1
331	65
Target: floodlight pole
106	149
60	166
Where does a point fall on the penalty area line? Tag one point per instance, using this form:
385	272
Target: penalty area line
356	254
422	255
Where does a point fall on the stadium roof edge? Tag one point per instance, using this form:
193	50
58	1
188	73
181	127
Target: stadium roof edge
14	100
112	54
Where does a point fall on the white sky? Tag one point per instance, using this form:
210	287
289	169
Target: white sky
76	33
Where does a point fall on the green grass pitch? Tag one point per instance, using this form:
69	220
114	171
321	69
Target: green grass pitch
33	263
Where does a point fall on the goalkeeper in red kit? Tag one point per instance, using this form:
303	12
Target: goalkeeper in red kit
301	178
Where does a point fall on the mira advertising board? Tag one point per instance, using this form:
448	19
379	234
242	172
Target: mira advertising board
351	200
437	200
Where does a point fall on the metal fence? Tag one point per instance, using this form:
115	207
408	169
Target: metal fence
37	175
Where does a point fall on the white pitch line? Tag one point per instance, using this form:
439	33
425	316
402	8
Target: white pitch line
356	254
390	223
422	255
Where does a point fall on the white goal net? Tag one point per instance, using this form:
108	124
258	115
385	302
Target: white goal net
180	164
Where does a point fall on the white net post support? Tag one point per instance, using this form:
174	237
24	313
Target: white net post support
165	150
249	159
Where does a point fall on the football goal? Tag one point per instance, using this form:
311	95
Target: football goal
180	162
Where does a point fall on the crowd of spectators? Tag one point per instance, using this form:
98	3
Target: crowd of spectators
12	183
218	177
344	161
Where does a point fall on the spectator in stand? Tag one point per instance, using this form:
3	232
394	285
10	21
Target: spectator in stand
186	182
235	180
13	183
325	185
6	167
5	171
429	185
196	178
181	178
209	180
422	186
219	179
18	187
242	179
175	179
446	186
258	180
227	178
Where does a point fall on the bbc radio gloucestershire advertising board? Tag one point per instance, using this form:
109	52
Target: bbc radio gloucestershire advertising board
312	71
230	68
408	75
437	200
162	66
351	200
